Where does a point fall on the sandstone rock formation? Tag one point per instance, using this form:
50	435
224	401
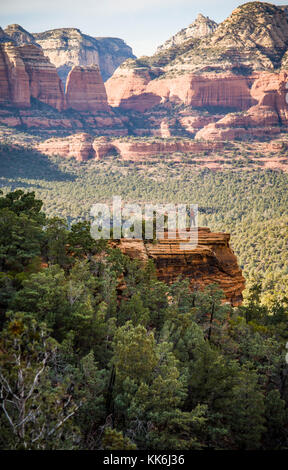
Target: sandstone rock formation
132	88
215	83
142	150
266	118
100	148
24	73
128	89
14	79
85	90
211	72
224	90
78	146
19	35
45	85
199	29
67	47
213	261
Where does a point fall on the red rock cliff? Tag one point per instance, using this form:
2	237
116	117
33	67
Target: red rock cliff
45	85
85	90
100	148
267	117
24	73
213	261
134	89
14	80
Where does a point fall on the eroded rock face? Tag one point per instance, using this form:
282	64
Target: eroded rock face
267	117
128	89
224	90
78	146
212	262
19	35
212	72
270	90
200	28
218	83
85	90
45	85
64	49
133	89
14	79
141	151
67	47
102	147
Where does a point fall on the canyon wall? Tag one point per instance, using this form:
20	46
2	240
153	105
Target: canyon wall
25	73
266	118
131	88
208	83
66	47
100	148
85	90
45	85
14	80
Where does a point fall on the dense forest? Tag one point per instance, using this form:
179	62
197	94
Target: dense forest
252	205
87	365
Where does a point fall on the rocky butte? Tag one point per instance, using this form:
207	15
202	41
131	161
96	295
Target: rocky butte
66	47
239	66
85	90
206	85
26	73
200	28
212	261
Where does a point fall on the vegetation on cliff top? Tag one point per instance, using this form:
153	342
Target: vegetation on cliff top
238	42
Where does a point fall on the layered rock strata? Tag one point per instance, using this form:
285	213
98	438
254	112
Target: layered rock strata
211	262
85	90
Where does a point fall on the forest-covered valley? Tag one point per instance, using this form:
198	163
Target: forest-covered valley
160	366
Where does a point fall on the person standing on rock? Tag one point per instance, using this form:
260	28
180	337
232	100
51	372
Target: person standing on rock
192	218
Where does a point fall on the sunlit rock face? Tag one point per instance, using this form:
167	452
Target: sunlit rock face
67	47
200	28
85	90
26	73
211	262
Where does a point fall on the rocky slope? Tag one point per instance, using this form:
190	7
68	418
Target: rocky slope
66	47
19	35
200	28
253	37
219	73
213	261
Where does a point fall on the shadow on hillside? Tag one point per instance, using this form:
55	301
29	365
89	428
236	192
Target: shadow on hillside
21	163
